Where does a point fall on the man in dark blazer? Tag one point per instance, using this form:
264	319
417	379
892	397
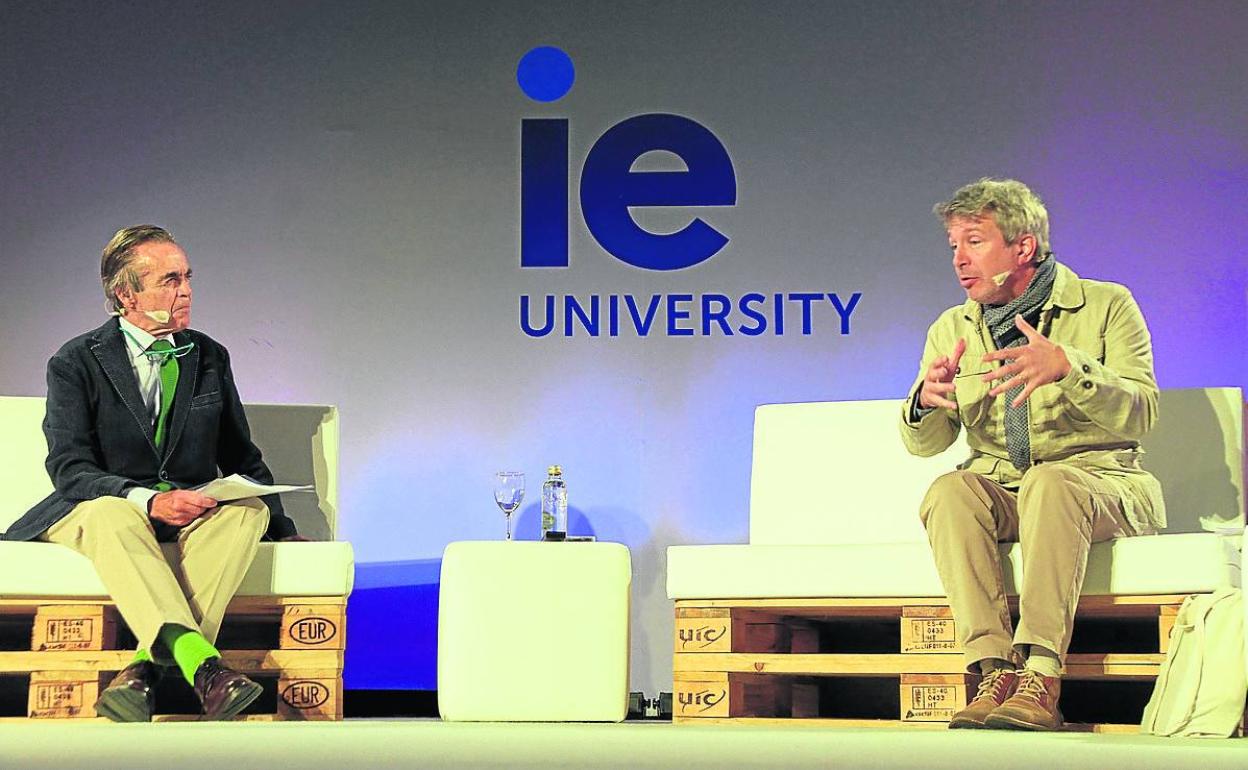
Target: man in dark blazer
139	411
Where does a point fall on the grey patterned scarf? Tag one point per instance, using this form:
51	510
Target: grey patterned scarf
1000	321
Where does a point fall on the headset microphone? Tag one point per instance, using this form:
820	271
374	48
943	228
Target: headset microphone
1000	278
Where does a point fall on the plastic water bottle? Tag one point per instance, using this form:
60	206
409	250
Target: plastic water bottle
554	505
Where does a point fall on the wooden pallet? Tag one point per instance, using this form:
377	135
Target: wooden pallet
810	660
62	652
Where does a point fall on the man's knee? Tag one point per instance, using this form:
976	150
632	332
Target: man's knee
253	504
1054	489
956	493
251	510
1052	479
103	519
110	513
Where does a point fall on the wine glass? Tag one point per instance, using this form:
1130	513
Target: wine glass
508	492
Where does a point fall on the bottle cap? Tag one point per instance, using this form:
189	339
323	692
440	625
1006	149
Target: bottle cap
554	470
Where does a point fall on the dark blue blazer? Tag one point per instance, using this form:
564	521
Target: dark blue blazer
101	438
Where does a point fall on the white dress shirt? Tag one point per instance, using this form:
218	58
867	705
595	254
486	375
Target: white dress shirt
147	371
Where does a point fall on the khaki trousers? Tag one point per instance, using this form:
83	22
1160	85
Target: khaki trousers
1056	515
191	589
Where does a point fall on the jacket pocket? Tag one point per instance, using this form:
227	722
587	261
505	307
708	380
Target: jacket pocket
206	399
972	397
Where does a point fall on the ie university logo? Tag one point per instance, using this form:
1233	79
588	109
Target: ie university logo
609	187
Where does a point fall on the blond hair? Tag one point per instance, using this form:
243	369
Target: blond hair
1014	207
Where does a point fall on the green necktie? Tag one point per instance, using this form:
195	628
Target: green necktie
168	385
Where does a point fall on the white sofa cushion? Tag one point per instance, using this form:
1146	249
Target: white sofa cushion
837	472
1186	563
46	570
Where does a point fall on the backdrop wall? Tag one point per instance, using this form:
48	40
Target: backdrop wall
346	180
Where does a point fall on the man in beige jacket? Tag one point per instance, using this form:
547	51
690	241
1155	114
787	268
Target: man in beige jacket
1051	375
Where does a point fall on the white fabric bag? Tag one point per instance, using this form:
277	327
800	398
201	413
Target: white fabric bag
1201	689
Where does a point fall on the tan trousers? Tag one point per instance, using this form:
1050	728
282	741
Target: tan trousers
1057	513
190	589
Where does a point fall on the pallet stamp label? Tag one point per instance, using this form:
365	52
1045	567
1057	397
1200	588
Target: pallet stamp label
305	694
930	703
701	702
702	636
68	633
313	630
931	635
58	696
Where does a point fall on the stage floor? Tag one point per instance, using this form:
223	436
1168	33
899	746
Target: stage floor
384	743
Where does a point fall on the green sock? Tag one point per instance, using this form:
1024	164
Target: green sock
141	656
189	649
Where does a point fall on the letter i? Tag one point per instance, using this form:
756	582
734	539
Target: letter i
544	192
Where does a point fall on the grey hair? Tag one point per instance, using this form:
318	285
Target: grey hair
117	267
1016	209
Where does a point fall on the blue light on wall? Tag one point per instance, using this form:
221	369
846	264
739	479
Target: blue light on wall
392	626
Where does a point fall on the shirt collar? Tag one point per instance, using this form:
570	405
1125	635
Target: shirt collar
137	340
1067	290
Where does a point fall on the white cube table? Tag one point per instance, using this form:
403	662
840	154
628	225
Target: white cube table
533	631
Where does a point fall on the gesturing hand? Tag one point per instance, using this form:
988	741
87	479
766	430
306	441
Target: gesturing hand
180	507
1037	363
938	382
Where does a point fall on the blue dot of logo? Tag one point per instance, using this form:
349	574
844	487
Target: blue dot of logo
545	74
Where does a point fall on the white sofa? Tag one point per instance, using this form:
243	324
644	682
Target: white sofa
838	562
834	503
300	445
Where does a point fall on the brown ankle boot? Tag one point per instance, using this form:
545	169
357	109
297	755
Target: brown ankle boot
1033	706
993	690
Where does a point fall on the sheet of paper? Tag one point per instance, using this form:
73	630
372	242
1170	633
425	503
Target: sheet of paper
237	487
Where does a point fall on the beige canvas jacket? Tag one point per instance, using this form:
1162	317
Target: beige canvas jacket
1093	418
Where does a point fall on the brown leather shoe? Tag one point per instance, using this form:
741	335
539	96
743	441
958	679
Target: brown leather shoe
131	696
1033	706
993	690
223	691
